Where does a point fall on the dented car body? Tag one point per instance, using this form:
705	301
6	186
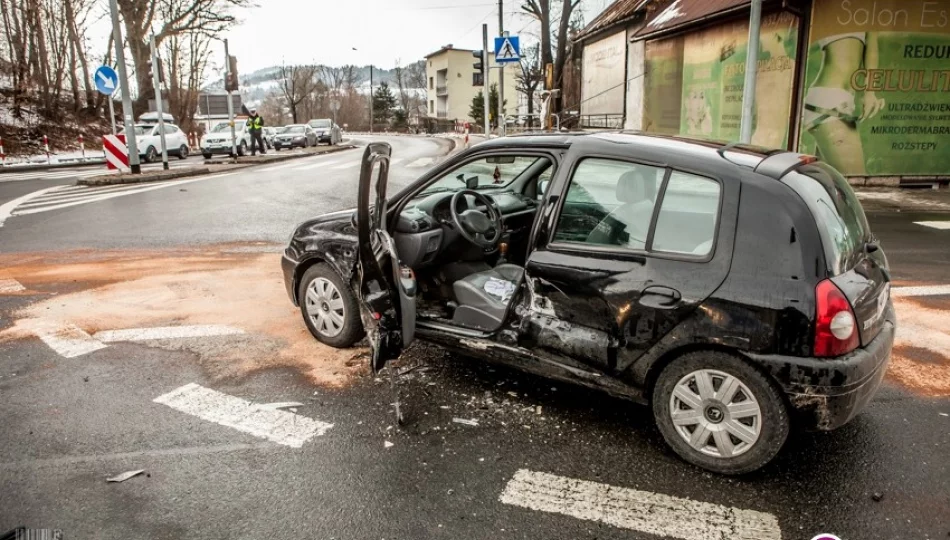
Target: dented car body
736	290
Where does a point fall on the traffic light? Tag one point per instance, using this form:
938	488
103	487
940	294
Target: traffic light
231	77
161	70
479	66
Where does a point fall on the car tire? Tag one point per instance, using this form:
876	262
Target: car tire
150	154
326	284
755	410
276	148
206	156
242	149
183	152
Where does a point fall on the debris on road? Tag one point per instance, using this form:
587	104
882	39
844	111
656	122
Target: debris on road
125	476
877	496
466	421
388	444
280	405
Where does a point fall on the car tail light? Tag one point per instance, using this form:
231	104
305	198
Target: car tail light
836	330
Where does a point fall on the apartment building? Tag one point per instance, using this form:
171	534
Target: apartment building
453	82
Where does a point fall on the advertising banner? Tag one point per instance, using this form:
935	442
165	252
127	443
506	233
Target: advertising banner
603	72
877	98
712	78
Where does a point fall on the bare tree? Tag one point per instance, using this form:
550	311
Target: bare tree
297	83
530	77
542	10
176	17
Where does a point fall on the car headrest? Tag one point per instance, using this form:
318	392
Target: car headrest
637	185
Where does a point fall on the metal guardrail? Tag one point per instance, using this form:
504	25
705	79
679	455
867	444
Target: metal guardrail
607	121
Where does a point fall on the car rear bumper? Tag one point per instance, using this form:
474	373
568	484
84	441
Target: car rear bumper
826	393
289	266
218	150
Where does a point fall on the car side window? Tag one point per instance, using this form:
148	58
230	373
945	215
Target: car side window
609	203
686	223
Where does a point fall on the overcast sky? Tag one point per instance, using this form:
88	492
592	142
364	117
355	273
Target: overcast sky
382	31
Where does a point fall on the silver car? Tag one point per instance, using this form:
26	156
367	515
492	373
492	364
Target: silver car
295	135
327	131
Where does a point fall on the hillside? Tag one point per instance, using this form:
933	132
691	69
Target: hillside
23	135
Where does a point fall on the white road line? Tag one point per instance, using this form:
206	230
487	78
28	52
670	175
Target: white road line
912	335
315	165
167	332
924	290
421	162
7	209
10	286
942	225
104	197
68	340
345	166
281	427
644	511
60	197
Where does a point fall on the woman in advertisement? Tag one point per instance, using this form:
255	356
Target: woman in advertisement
831	113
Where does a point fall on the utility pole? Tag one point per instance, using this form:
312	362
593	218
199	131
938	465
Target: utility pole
501	71
751	70
485	101
227	73
156	82
128	120
371	98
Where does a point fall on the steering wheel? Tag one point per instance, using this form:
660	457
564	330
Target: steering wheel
473	224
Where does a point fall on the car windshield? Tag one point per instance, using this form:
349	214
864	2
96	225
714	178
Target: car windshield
487	173
841	221
320	123
221	128
293	129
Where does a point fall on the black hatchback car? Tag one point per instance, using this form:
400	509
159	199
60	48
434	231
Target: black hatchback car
736	290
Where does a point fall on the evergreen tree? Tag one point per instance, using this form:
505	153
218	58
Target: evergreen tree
477	111
383	103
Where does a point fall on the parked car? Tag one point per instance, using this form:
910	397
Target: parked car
327	131
149	142
295	135
218	140
269	133
735	290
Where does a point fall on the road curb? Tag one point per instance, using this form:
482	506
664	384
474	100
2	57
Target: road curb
128	178
159	176
275	158
12	169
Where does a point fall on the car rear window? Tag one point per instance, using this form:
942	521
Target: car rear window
841	221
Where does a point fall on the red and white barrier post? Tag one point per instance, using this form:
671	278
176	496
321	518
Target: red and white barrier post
3	155
46	147
117	153
82	147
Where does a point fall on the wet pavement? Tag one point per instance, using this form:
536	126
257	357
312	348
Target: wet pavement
529	459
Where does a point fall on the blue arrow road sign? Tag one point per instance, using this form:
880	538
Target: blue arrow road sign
507	49
106	80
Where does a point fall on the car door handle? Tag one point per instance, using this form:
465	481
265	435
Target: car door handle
660	297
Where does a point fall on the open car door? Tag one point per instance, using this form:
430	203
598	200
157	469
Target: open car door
387	290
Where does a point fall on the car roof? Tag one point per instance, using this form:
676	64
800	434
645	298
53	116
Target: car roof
769	162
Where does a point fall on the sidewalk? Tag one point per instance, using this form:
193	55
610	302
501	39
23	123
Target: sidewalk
903	200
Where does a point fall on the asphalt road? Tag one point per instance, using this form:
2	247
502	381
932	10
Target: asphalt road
76	411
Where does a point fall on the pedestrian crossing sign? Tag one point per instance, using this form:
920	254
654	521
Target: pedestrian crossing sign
507	49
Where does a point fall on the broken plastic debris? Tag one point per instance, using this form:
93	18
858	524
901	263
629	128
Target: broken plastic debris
388	444
279	405
446	407
538	410
465	421
943	414
125	476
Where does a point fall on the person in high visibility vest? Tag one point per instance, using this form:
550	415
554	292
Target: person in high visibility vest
255	127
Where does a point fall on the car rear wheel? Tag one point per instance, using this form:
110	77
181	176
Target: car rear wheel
242	149
329	308
150	155
718	412
183	152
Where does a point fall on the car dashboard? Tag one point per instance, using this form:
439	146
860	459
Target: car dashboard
425	228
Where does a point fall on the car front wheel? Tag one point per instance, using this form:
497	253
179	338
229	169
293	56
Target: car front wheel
183	152
718	412
150	155
329	308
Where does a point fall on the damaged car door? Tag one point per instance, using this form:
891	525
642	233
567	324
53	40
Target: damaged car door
625	257
386	288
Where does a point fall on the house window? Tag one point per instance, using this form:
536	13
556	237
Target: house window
477	79
431	83
431	106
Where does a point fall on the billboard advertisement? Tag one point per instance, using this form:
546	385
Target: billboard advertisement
603	72
710	69
876	86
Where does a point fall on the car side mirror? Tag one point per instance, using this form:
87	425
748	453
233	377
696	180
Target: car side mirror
543	186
